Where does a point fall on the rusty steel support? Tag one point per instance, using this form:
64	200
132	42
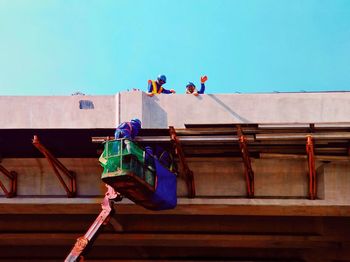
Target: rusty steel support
248	171
312	169
57	166
103	218
12	175
187	173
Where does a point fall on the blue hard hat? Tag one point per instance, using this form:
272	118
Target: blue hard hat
162	78
136	121
190	84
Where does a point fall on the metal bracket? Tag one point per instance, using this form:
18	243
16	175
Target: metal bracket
188	174
248	171
12	175
56	166
312	170
103	218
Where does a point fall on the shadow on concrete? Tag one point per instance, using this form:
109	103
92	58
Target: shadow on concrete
153	115
228	109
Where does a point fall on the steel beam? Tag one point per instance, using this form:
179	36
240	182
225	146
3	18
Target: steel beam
187	173
296	136
12	175
248	171
57	166
312	170
184	139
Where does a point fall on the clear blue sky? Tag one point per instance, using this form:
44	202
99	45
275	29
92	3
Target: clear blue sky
58	47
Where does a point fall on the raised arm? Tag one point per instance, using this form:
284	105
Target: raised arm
203	80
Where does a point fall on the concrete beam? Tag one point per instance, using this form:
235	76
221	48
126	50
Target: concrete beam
177	240
161	111
198	206
57	112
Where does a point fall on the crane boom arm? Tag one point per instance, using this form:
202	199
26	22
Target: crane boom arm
84	241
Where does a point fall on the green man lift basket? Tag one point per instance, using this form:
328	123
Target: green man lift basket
138	175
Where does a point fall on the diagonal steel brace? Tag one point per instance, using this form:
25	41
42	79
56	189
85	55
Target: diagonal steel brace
12	175
188	174
57	166
248	171
312	170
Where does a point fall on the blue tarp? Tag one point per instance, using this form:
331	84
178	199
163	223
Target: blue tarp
165	195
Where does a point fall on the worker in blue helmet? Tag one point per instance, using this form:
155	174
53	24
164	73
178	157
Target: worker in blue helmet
156	86
191	88
128	129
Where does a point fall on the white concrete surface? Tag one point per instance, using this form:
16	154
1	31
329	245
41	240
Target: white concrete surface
56	112
160	111
178	110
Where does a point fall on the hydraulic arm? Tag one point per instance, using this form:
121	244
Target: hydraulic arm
85	241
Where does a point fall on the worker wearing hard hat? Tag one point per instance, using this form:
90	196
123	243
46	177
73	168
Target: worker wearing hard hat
128	129
156	86
191	88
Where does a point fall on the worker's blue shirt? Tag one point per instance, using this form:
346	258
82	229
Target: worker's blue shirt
150	88
201	91
124	130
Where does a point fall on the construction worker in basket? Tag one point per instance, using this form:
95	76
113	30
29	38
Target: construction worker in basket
163	156
156	86
128	129
191	88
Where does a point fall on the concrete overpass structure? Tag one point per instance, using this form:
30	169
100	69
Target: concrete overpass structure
278	223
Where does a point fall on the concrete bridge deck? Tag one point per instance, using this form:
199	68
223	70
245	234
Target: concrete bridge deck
172	110
279	224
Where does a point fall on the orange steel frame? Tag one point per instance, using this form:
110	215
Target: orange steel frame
57	166
248	171
312	170
12	175
71	190
188	174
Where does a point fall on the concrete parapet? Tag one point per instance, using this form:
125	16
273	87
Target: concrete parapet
57	112
160	111
176	110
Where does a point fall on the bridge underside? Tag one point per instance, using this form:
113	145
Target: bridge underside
192	232
279	223
233	232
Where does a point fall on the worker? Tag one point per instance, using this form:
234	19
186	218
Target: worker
128	129
191	88
163	156
156	87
